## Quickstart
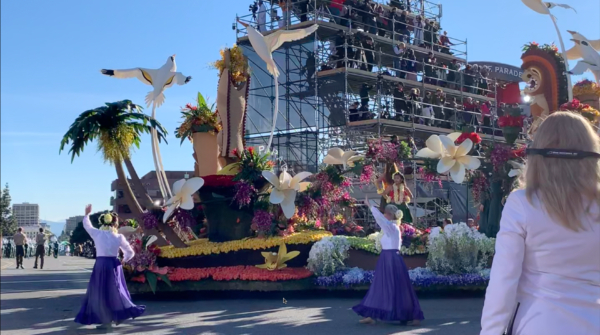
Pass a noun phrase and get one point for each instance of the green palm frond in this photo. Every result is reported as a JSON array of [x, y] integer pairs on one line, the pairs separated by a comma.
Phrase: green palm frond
[[108, 123]]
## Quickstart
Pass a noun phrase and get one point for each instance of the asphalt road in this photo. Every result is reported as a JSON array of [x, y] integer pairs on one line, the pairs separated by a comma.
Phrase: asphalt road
[[46, 302]]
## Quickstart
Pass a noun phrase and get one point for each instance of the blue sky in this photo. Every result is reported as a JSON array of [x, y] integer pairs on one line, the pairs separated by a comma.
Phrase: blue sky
[[52, 52]]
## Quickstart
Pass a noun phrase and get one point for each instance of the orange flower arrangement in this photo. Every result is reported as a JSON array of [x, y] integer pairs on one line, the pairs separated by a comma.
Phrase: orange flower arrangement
[[227, 273]]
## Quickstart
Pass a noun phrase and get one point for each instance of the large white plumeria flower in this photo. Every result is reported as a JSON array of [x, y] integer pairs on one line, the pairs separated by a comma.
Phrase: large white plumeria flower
[[456, 160], [183, 191], [337, 156], [434, 148], [285, 189], [517, 169]]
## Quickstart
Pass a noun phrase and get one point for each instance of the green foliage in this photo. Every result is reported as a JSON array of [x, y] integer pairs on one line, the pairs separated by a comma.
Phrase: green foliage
[[113, 123], [198, 119], [8, 223], [252, 164], [152, 280]]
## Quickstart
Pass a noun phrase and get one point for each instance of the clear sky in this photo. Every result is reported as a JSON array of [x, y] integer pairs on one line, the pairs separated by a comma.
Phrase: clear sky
[[52, 51]]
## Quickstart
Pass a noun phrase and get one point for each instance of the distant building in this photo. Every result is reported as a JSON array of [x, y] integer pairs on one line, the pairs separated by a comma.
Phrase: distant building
[[71, 224], [28, 217], [118, 202]]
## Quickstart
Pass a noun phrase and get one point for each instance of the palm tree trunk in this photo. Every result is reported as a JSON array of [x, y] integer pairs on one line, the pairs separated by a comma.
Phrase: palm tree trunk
[[149, 204], [133, 204]]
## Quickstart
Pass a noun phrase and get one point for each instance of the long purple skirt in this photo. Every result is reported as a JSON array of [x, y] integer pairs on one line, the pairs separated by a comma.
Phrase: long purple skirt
[[391, 296], [107, 299]]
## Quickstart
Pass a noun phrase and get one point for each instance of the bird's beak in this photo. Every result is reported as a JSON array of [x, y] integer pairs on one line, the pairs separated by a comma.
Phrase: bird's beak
[[578, 42], [571, 32], [242, 23], [174, 55]]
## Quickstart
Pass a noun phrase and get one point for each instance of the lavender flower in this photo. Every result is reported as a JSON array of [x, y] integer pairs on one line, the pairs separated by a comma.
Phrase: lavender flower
[[184, 218], [243, 193], [262, 220], [149, 220]]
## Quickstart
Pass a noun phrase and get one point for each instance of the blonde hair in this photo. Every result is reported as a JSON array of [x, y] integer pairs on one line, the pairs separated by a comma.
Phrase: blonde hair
[[565, 187], [395, 212]]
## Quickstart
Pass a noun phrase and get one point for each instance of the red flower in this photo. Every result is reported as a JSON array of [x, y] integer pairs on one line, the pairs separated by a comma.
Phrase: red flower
[[511, 121], [251, 150], [235, 153], [476, 139], [218, 181]]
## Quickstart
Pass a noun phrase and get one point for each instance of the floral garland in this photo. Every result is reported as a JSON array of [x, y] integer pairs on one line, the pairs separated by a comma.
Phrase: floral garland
[[421, 278], [586, 87], [585, 110], [205, 247], [480, 186], [227, 273]]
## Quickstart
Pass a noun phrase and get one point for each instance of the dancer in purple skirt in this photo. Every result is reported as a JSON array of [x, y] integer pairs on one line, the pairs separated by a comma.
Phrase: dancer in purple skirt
[[107, 299], [391, 296]]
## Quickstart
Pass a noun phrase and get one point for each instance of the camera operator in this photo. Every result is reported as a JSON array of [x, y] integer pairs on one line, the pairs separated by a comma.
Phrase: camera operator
[[399, 50], [415, 102], [438, 101]]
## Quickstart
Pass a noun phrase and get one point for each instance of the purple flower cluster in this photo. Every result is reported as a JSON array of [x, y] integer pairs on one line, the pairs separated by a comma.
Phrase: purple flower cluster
[[184, 218], [261, 223], [421, 278], [243, 193], [149, 220], [500, 155]]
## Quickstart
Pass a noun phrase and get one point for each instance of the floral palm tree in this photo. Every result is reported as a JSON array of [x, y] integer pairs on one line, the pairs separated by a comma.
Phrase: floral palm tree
[[117, 127]]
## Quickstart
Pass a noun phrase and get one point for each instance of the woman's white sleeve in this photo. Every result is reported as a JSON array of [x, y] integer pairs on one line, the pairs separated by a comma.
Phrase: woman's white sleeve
[[128, 252], [87, 225], [501, 295], [381, 220]]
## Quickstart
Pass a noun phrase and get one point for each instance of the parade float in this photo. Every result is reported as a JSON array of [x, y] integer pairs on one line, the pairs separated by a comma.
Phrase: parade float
[[246, 221]]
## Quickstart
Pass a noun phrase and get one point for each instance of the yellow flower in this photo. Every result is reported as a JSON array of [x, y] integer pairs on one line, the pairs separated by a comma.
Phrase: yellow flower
[[205, 247]]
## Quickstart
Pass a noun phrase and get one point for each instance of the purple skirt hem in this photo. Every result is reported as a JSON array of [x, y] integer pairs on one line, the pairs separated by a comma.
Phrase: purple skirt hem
[[107, 299], [379, 314], [130, 313], [391, 296]]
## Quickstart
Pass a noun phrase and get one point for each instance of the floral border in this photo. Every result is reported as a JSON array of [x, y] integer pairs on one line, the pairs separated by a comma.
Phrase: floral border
[[227, 273], [205, 247], [419, 277]]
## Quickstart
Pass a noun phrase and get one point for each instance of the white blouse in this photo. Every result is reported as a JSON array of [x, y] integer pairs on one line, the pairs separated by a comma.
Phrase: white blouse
[[552, 271], [108, 243], [392, 238]]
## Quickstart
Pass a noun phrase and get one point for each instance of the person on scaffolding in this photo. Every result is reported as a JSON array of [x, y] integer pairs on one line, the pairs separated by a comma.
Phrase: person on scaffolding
[[398, 194]]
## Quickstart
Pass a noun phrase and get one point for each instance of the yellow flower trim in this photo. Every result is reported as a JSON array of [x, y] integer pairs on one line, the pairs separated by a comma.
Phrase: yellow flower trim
[[205, 247], [238, 64], [586, 89]]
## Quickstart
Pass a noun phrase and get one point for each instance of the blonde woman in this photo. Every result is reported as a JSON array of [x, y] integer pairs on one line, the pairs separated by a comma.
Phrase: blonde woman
[[391, 296], [548, 251]]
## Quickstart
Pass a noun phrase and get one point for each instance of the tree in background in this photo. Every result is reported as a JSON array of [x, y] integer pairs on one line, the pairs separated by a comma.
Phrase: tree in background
[[80, 235], [8, 223]]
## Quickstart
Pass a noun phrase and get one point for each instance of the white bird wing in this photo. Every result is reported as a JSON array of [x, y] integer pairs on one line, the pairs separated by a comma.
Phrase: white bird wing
[[537, 6], [581, 67], [146, 76], [177, 78], [276, 39], [595, 44], [574, 52], [552, 5]]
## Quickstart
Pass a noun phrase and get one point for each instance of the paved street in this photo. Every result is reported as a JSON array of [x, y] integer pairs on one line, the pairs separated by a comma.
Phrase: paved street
[[46, 302]]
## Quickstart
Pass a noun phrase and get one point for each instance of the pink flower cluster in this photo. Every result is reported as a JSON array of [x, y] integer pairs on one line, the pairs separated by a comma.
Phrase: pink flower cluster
[[385, 152], [500, 155]]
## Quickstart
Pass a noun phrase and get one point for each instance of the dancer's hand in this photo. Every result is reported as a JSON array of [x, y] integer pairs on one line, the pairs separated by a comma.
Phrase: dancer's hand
[[88, 209]]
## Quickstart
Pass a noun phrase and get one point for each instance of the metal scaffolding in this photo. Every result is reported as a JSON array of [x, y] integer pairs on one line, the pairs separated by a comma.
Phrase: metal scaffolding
[[325, 76]]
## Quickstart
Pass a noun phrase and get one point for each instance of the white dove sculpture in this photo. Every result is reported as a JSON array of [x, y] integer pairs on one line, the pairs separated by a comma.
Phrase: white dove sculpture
[[160, 79], [588, 50], [544, 8], [264, 47]]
